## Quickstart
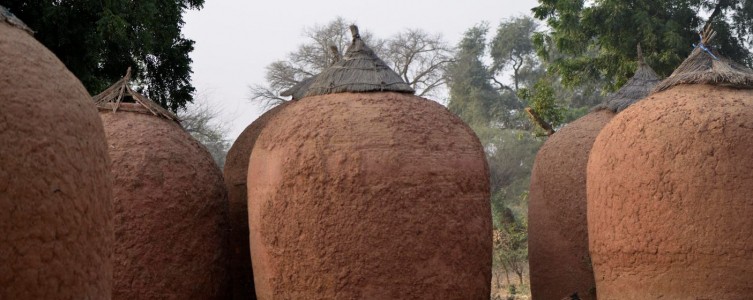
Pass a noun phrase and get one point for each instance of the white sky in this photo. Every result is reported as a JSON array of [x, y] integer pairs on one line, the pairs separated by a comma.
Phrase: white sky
[[237, 39]]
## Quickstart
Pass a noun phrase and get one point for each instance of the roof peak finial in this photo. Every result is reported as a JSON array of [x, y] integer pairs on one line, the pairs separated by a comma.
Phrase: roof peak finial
[[708, 34], [640, 54], [354, 32], [128, 74]]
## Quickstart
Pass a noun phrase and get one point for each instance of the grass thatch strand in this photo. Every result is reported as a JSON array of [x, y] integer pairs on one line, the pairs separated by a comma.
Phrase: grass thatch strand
[[638, 87], [703, 68], [111, 98], [360, 70], [8, 17]]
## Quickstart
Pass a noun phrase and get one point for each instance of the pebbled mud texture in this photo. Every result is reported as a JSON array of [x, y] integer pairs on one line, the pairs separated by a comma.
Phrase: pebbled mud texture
[[170, 211], [369, 196], [669, 205], [56, 233], [236, 168], [557, 228]]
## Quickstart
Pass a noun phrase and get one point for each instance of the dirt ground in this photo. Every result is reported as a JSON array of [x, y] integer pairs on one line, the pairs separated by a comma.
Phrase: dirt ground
[[502, 289]]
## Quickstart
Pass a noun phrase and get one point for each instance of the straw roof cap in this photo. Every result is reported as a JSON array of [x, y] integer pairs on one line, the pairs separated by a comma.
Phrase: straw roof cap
[[112, 97], [8, 17], [360, 70], [300, 89], [706, 66], [637, 87]]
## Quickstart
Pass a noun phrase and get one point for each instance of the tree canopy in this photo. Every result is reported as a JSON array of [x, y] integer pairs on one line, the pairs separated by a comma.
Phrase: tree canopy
[[98, 40], [597, 39]]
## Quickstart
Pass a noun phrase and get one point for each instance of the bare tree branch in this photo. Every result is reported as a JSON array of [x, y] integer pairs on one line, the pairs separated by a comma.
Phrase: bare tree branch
[[419, 57], [265, 96], [202, 121]]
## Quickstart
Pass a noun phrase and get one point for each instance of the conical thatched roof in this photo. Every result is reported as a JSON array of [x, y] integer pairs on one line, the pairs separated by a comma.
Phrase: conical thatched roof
[[360, 70], [8, 17], [300, 89], [706, 66], [637, 87], [111, 98]]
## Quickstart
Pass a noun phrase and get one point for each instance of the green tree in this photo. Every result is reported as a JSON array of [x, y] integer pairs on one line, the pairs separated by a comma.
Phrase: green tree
[[472, 96], [597, 39], [99, 39], [513, 52]]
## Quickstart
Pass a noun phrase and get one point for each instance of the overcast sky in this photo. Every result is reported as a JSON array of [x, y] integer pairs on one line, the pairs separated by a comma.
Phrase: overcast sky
[[237, 39]]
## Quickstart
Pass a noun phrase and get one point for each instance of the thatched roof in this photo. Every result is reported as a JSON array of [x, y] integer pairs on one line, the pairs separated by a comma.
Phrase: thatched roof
[[8, 17], [300, 89], [636, 88], [111, 98], [360, 70], [706, 66]]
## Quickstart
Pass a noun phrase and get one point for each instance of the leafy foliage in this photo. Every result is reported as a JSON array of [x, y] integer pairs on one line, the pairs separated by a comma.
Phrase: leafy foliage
[[513, 49], [98, 40], [597, 39], [472, 97], [541, 98]]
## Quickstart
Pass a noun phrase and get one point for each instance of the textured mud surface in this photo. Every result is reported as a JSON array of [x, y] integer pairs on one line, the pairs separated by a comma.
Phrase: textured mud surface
[[55, 200], [236, 168], [170, 211], [669, 204], [557, 228], [369, 196]]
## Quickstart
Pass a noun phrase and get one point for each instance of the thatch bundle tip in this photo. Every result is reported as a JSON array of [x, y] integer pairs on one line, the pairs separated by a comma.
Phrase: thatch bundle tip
[[706, 66], [8, 17], [360, 70]]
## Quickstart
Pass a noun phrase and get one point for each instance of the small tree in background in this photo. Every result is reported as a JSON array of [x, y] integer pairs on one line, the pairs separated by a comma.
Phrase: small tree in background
[[202, 121]]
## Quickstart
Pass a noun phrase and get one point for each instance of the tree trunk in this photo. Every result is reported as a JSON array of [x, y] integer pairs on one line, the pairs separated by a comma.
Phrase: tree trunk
[[507, 273]]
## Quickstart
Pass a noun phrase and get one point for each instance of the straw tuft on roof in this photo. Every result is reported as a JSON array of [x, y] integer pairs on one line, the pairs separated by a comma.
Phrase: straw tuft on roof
[[706, 66], [8, 17], [111, 98], [360, 70], [637, 87]]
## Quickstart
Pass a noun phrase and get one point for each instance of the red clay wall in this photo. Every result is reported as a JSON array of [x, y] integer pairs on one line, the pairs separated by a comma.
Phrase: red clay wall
[[369, 196], [55, 196], [236, 168], [170, 211], [557, 227], [669, 204]]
